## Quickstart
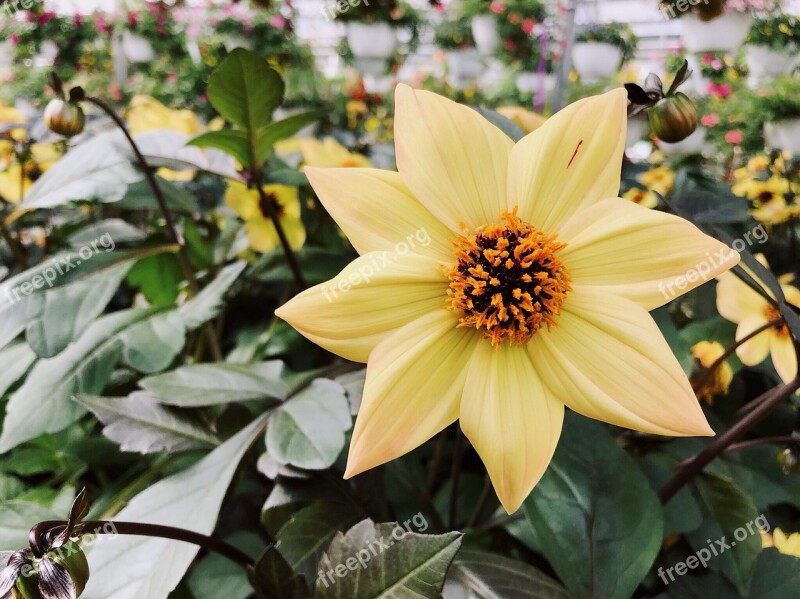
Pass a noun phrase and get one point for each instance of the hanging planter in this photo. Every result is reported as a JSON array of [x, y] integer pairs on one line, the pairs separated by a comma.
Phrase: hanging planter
[[765, 63], [725, 33], [238, 41], [371, 40], [136, 48], [595, 60], [487, 37], [464, 67], [783, 135]]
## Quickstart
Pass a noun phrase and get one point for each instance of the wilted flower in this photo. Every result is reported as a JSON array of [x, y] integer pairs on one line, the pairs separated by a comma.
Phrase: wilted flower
[[707, 353]]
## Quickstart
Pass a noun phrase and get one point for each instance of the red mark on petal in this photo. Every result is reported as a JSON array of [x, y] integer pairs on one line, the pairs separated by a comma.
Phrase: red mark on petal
[[575, 153]]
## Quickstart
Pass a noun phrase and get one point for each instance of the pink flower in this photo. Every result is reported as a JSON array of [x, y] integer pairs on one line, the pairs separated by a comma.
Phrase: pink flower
[[721, 90], [278, 21], [193, 30], [101, 24], [528, 25], [172, 78], [708, 59], [710, 120], [716, 64], [497, 7], [14, 39], [734, 136]]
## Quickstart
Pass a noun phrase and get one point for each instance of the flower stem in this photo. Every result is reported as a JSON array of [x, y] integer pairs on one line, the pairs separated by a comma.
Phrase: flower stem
[[149, 530], [768, 401], [177, 238]]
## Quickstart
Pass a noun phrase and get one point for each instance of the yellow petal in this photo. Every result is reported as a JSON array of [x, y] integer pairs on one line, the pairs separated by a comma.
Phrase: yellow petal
[[607, 360], [756, 350], [783, 356], [646, 256], [570, 162], [243, 201], [453, 160], [377, 212], [262, 235], [737, 301], [287, 198], [511, 419], [375, 295], [415, 379]]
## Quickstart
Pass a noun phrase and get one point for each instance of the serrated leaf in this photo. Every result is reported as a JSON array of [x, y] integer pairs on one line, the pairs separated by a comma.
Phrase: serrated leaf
[[385, 560], [232, 141], [190, 499], [209, 302], [211, 384], [602, 520], [308, 431], [485, 575], [139, 423]]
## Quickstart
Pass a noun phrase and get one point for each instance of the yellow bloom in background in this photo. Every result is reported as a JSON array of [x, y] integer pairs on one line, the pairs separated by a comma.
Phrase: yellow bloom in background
[[330, 153], [659, 179], [642, 197], [788, 545], [499, 282], [14, 184], [775, 212], [148, 114], [260, 231], [16, 181], [741, 304], [706, 353], [527, 120]]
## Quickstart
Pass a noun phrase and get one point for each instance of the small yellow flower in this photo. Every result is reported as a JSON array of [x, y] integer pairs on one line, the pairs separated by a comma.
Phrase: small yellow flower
[[659, 179], [148, 114], [786, 544], [742, 305], [527, 120], [642, 197], [260, 230], [499, 282], [706, 353], [15, 182], [330, 153]]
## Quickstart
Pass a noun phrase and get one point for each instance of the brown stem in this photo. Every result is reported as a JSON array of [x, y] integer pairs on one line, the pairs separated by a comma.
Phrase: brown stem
[[708, 372], [291, 258], [769, 400], [177, 238]]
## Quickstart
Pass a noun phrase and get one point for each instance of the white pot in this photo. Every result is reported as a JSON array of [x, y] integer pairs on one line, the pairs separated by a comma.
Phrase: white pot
[[484, 31], [47, 54], [238, 41], [464, 67], [635, 132], [783, 135], [370, 67], [694, 144], [137, 48], [765, 64], [530, 82], [7, 53], [594, 60], [725, 33], [371, 40]]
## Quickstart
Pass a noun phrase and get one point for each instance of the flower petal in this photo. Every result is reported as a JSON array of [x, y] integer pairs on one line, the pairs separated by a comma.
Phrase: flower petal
[[377, 211], [415, 379], [737, 301], [264, 238], [756, 350], [783, 356], [375, 295], [608, 360], [646, 256], [453, 160], [242, 200], [511, 419], [571, 161]]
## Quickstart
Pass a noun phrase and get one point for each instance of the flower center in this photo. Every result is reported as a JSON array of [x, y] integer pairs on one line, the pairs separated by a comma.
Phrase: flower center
[[272, 199], [508, 280], [772, 313]]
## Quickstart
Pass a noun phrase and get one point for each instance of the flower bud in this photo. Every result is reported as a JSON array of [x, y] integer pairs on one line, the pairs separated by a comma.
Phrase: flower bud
[[64, 118], [673, 118], [56, 571], [789, 461]]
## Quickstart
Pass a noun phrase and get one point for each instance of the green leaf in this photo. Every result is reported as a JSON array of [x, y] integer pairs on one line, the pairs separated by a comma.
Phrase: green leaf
[[16, 519], [681, 513], [486, 575], [776, 576], [151, 345], [308, 431], [209, 302], [170, 149], [274, 577], [217, 576], [16, 359], [211, 384], [726, 509], [245, 90], [232, 141], [139, 196], [304, 537], [139, 423], [602, 520], [385, 560], [98, 169], [269, 135], [158, 278], [505, 124], [190, 499]]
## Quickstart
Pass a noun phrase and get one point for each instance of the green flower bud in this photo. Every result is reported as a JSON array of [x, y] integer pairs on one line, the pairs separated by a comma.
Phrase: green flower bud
[[673, 118], [60, 571], [64, 118]]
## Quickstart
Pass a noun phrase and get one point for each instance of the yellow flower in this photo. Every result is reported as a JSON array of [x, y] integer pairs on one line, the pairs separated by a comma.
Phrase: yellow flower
[[741, 304], [260, 230], [706, 353], [499, 282], [330, 153], [640, 196], [788, 545], [527, 120], [775, 212], [659, 179], [148, 114], [15, 182], [11, 115]]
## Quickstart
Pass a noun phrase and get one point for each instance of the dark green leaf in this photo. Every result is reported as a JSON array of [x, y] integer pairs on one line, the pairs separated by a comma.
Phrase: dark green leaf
[[267, 136], [274, 577], [506, 125], [232, 141]]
